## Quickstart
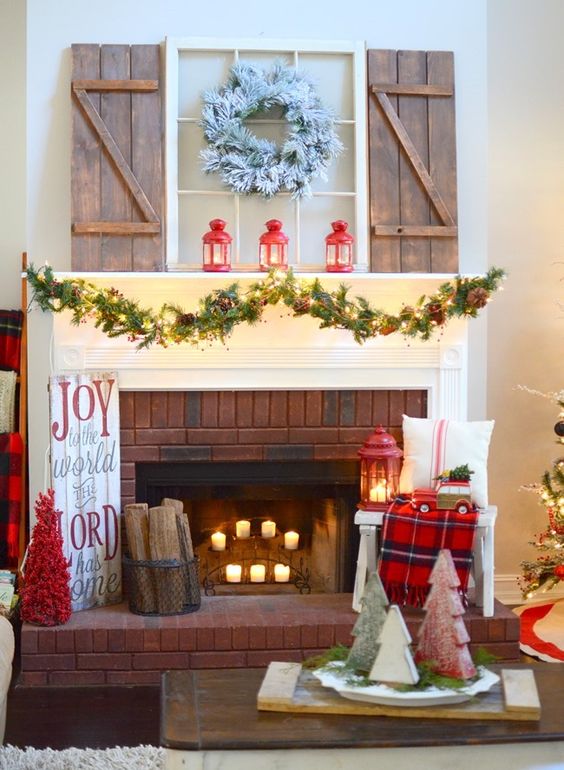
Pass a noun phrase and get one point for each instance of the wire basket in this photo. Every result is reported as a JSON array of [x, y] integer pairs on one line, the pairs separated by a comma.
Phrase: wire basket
[[168, 587]]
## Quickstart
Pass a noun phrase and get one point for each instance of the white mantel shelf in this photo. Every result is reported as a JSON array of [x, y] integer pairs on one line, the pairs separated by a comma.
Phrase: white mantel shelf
[[280, 353]]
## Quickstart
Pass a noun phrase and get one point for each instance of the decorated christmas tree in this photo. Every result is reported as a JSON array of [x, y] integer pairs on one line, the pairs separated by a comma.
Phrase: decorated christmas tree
[[46, 598], [394, 662], [443, 638], [548, 569], [368, 625]]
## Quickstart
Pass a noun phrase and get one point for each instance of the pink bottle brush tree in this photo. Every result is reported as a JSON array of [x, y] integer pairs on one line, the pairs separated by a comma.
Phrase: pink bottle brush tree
[[443, 639]]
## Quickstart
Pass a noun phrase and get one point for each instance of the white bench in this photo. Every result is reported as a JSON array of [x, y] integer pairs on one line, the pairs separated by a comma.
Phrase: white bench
[[483, 553]]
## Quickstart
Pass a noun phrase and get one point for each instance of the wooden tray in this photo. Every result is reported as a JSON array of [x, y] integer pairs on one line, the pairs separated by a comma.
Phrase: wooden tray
[[286, 687]]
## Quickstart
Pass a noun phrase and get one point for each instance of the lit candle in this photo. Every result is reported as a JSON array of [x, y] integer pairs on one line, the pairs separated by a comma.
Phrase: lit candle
[[258, 573], [268, 528], [233, 573], [378, 493], [291, 540], [281, 573], [243, 528], [218, 541]]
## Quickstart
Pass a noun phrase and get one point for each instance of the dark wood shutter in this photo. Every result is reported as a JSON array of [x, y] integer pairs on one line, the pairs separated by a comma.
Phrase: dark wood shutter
[[117, 170], [412, 147]]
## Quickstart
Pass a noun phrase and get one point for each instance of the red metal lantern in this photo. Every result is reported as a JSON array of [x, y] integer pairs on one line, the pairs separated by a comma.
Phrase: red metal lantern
[[273, 247], [380, 465], [217, 248], [339, 248]]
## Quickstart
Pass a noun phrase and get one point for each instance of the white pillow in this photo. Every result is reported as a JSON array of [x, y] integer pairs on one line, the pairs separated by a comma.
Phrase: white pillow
[[432, 446]]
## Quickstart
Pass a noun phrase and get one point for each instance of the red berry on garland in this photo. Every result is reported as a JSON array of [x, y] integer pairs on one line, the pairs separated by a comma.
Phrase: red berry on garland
[[559, 571], [387, 329], [477, 298], [46, 598], [559, 428], [436, 313]]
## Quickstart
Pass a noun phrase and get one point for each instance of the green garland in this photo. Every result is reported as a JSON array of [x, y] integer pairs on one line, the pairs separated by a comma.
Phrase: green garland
[[222, 310]]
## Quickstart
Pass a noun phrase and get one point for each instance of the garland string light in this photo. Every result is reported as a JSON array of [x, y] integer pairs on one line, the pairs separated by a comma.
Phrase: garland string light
[[220, 311]]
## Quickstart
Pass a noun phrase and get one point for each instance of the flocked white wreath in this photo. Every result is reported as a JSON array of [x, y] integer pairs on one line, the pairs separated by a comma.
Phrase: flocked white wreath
[[249, 164]]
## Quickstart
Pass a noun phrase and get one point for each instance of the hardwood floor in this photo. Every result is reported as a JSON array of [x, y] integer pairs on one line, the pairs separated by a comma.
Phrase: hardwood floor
[[83, 717]]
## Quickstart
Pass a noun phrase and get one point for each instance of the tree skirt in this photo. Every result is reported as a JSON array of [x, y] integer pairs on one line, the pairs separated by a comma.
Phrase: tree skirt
[[542, 630], [138, 758]]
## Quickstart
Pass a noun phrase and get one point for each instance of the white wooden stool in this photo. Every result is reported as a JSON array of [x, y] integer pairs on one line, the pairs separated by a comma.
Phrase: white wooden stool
[[483, 553]]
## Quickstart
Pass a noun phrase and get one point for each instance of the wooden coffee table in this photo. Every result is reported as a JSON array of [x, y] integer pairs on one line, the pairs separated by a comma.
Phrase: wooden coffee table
[[209, 719]]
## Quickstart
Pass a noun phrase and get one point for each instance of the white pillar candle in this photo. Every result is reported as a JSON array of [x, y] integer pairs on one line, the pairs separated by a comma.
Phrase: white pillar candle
[[291, 540], [243, 528], [218, 541], [233, 573], [378, 493], [281, 573], [258, 573], [268, 528]]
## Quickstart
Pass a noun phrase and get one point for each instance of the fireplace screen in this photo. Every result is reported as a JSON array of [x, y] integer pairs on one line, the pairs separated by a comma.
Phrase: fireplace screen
[[264, 527]]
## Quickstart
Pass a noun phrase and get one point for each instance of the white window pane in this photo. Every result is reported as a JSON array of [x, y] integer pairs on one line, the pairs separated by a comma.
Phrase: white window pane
[[190, 174], [197, 72], [265, 59], [194, 215], [254, 212], [316, 215], [332, 75], [340, 172]]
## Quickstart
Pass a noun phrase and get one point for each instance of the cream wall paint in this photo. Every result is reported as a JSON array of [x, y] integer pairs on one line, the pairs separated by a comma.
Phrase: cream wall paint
[[526, 196], [12, 150]]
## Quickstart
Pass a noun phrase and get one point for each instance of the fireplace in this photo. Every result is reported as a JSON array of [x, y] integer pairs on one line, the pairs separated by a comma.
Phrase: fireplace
[[314, 499]]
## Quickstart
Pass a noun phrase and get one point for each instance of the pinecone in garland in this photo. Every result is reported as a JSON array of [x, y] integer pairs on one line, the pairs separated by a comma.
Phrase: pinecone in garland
[[387, 329], [186, 319], [477, 298], [301, 305], [436, 313], [225, 304]]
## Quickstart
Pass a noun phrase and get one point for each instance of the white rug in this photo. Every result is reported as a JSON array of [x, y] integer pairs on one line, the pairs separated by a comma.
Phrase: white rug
[[138, 758]]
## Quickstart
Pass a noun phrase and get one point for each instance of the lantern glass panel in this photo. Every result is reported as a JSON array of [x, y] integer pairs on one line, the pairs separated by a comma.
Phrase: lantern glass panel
[[331, 254], [344, 254]]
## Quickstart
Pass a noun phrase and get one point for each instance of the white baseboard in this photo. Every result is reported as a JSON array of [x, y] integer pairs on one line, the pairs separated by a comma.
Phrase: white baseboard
[[506, 590]]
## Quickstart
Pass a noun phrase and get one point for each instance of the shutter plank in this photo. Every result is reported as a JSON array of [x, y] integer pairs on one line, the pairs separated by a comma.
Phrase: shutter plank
[[115, 197], [146, 133], [384, 167], [85, 165], [442, 155], [415, 206]]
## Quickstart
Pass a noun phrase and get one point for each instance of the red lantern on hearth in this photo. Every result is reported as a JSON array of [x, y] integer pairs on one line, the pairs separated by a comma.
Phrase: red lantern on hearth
[[273, 247], [339, 248], [217, 248], [380, 466]]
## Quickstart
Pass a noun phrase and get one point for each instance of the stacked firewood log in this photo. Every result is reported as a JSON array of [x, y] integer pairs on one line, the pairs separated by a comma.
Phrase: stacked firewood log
[[161, 535]]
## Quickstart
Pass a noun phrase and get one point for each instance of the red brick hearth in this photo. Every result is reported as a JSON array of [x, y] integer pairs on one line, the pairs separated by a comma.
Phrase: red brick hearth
[[110, 645]]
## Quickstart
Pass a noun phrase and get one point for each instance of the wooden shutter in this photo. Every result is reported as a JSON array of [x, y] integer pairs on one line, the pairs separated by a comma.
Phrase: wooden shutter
[[116, 175], [412, 150]]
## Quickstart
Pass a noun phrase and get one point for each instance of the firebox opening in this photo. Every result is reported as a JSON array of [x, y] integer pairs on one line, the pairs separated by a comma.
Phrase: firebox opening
[[317, 500]]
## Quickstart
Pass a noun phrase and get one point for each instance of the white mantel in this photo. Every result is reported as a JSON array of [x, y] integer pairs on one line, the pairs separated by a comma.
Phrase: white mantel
[[281, 353]]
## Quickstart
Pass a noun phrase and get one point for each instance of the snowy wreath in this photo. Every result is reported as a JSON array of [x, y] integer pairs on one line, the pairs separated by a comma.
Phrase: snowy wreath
[[249, 164]]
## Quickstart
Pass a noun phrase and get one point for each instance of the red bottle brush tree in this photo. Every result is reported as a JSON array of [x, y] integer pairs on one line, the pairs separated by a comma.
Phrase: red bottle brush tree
[[46, 598], [443, 638]]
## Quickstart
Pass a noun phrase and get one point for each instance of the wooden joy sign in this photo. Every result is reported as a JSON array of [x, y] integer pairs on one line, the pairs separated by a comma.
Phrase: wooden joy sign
[[85, 471]]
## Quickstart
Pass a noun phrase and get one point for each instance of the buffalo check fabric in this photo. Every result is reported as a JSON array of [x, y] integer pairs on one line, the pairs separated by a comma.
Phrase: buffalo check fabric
[[11, 322], [411, 541], [11, 458]]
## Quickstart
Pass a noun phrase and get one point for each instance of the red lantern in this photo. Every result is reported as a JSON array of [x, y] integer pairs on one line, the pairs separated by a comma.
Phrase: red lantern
[[217, 248], [339, 248], [273, 247], [380, 465]]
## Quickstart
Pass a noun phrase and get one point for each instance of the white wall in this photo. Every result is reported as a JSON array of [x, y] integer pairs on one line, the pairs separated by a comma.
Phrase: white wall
[[526, 193], [12, 150]]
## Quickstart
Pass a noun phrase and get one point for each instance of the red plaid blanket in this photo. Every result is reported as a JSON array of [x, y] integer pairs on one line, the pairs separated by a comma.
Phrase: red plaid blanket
[[10, 339], [410, 543], [11, 454]]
